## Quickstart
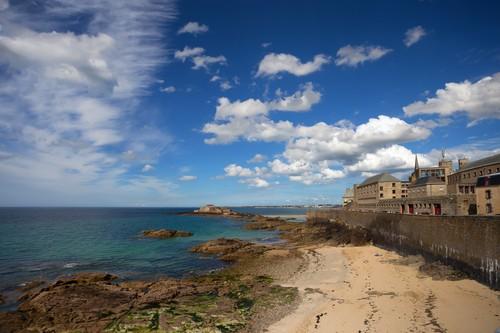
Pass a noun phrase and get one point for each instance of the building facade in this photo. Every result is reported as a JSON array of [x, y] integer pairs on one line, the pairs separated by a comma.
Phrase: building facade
[[473, 189], [488, 194], [464, 180], [376, 188]]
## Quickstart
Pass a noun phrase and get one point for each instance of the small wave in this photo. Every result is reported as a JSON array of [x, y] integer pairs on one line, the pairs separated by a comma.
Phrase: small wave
[[70, 265]]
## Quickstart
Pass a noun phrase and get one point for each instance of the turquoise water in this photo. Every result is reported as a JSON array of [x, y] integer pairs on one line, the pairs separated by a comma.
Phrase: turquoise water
[[44, 243]]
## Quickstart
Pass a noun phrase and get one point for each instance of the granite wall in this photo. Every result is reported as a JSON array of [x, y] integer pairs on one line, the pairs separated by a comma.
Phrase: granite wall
[[469, 243]]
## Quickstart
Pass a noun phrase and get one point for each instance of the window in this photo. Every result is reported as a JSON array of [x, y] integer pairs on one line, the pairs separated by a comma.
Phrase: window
[[393, 191], [381, 188], [381, 195], [489, 171], [461, 189], [466, 189], [481, 172], [488, 194], [489, 208], [393, 184], [472, 189]]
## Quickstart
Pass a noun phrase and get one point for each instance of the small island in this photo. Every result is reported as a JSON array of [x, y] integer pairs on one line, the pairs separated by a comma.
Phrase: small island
[[165, 233]]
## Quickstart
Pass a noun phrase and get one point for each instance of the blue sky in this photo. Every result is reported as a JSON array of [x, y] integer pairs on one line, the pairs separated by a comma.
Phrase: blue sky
[[163, 103]]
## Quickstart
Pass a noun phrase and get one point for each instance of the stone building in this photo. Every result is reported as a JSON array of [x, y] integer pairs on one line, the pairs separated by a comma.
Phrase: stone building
[[427, 187], [488, 194], [444, 168], [376, 188], [464, 180]]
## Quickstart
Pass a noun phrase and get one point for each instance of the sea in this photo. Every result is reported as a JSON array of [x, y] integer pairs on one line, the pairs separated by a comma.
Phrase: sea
[[46, 243]]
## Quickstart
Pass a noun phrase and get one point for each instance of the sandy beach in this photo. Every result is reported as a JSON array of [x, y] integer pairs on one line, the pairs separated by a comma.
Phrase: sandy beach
[[368, 289]]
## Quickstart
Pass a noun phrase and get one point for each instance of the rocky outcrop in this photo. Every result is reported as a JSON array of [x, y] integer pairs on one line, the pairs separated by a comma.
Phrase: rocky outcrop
[[166, 233], [230, 249], [215, 210], [95, 302]]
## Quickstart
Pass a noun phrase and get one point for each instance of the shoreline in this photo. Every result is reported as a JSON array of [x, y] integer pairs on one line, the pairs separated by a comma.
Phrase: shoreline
[[289, 287]]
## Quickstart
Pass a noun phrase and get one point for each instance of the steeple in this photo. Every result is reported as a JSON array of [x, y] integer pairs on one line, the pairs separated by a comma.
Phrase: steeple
[[416, 162]]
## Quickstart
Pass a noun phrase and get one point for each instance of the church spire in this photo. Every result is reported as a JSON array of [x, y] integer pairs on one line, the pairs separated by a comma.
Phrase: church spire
[[416, 162]]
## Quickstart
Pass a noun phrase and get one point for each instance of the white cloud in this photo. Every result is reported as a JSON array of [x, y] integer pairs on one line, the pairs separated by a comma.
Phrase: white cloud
[[147, 168], [258, 158], [479, 100], [225, 85], [255, 182], [169, 90], [388, 159], [199, 59], [266, 45], [68, 96], [234, 170], [188, 52], [215, 78], [193, 28], [352, 56], [274, 63], [301, 100], [203, 61], [187, 178], [413, 35]]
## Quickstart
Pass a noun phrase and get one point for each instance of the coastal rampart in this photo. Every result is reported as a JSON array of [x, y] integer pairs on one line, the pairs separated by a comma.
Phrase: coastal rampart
[[469, 243]]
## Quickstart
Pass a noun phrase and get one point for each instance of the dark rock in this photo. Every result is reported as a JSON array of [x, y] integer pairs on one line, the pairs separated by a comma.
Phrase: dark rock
[[166, 233]]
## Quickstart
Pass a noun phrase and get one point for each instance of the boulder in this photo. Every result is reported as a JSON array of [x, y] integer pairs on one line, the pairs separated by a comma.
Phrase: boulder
[[166, 233]]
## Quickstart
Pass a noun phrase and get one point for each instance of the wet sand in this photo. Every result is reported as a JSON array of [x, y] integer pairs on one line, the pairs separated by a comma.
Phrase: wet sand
[[368, 289]]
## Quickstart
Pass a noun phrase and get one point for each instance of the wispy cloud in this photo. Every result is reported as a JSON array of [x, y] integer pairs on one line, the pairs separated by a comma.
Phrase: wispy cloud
[[194, 28], [413, 35], [352, 56], [67, 96], [274, 63]]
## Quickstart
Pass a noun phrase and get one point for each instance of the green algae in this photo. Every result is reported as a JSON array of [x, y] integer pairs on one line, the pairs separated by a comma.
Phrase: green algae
[[228, 308]]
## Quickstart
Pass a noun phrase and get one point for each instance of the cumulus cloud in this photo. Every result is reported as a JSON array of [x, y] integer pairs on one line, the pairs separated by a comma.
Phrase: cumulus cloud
[[194, 28], [312, 152], [188, 52], [274, 63], [301, 100], [413, 35], [256, 182], [479, 100], [198, 58], [187, 178], [258, 158], [234, 170], [352, 56]]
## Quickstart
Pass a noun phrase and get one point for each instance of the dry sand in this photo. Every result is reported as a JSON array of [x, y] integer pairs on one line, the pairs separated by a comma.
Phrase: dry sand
[[368, 289]]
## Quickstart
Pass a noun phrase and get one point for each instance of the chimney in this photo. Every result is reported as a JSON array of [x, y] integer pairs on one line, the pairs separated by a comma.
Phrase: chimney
[[462, 163]]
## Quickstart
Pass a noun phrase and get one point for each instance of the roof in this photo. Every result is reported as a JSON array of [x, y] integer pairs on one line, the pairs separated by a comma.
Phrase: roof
[[430, 180], [383, 177], [482, 162]]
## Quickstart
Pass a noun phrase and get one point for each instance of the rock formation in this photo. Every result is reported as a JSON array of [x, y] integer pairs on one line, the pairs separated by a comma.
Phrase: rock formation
[[166, 233]]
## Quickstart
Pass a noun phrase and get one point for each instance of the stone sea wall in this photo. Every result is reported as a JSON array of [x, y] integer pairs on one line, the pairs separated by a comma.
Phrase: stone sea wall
[[469, 243]]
